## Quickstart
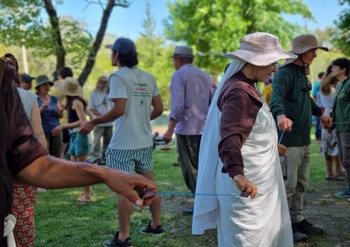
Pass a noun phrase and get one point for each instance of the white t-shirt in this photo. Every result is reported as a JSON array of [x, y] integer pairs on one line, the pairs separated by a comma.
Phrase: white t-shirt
[[99, 101], [133, 129]]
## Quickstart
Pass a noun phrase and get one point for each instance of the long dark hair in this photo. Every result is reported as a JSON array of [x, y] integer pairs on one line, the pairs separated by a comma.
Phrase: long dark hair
[[70, 100], [13, 61]]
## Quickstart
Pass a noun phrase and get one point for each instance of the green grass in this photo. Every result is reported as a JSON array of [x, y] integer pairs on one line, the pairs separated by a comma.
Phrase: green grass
[[59, 222]]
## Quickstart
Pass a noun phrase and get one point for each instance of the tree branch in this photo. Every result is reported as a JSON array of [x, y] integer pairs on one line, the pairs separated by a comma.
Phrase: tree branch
[[56, 33]]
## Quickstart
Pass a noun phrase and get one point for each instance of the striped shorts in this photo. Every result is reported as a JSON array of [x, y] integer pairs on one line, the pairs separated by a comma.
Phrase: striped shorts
[[134, 160]]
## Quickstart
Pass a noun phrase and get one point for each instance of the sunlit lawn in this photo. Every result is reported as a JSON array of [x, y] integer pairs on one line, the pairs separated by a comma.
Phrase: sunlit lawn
[[60, 222]]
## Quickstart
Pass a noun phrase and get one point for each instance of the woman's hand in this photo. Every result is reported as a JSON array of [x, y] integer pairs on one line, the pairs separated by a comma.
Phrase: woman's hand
[[282, 150], [58, 130], [245, 186]]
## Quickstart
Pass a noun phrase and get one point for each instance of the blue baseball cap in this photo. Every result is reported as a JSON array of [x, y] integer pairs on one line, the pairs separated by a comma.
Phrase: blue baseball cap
[[27, 78], [123, 46]]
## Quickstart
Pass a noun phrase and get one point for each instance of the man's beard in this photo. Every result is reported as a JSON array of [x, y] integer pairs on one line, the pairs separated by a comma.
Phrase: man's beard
[[102, 89]]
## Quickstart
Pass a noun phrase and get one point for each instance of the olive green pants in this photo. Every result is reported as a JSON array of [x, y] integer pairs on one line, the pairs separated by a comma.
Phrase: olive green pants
[[298, 169], [188, 149]]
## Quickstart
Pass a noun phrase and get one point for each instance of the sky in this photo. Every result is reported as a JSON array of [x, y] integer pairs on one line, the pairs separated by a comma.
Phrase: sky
[[127, 22]]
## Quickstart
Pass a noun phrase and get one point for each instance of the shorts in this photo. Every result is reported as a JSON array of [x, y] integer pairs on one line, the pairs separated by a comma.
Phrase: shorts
[[79, 144], [134, 160]]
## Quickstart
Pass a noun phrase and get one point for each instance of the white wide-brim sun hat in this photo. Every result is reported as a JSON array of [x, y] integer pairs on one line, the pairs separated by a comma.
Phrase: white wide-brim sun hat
[[70, 86], [260, 49]]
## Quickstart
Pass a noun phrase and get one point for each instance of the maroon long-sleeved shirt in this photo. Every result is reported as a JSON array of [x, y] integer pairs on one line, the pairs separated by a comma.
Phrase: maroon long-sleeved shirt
[[239, 103]]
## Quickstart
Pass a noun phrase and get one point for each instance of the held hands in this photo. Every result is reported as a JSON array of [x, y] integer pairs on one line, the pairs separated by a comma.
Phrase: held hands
[[284, 123], [245, 186], [86, 127], [326, 121]]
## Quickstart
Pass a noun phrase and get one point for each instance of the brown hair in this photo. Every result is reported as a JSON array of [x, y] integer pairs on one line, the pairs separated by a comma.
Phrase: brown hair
[[13, 61]]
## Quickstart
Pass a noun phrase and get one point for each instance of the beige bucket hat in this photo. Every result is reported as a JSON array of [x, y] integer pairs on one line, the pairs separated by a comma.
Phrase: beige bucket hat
[[69, 86], [302, 44], [260, 49]]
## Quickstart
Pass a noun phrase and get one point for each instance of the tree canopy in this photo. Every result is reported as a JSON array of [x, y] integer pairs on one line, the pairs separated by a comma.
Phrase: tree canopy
[[214, 27], [22, 24], [341, 36]]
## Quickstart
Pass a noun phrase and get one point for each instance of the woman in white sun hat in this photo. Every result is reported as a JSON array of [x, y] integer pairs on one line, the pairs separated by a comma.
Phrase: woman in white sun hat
[[241, 127], [79, 143]]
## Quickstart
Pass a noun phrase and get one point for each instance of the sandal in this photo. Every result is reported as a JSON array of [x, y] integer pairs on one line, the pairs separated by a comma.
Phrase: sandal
[[82, 202]]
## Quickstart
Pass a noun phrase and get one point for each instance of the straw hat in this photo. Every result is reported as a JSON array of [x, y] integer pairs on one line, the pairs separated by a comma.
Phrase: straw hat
[[260, 49], [70, 87], [302, 44]]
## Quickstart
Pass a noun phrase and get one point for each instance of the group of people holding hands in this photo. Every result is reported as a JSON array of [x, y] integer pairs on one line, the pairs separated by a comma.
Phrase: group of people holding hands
[[234, 151]]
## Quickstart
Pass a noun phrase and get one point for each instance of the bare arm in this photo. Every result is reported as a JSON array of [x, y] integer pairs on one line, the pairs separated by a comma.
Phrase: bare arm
[[60, 110], [94, 112], [168, 135], [53, 173], [157, 105], [326, 84], [117, 111], [36, 124]]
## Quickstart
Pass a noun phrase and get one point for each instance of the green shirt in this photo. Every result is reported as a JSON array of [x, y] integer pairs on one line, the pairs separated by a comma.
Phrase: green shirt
[[291, 96], [342, 109]]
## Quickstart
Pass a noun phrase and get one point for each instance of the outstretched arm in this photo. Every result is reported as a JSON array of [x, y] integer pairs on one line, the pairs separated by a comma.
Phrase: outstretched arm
[[53, 173]]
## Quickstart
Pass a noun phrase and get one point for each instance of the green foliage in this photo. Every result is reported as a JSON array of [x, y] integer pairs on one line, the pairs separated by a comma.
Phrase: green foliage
[[216, 27], [154, 56], [341, 36], [22, 24]]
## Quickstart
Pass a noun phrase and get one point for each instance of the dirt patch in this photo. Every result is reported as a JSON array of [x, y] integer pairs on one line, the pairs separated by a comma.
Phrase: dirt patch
[[321, 208]]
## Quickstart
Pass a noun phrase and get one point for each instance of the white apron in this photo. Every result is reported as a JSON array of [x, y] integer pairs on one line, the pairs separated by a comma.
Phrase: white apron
[[263, 221]]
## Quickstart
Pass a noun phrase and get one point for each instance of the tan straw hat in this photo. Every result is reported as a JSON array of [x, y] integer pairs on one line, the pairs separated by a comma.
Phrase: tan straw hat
[[260, 49], [70, 86], [302, 44]]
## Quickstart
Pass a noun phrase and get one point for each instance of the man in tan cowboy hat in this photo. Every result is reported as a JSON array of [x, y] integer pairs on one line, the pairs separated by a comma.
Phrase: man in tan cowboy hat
[[293, 107], [190, 90]]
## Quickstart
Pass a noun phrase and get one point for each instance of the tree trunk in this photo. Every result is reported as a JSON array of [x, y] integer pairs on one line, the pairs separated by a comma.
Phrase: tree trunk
[[56, 34], [99, 37]]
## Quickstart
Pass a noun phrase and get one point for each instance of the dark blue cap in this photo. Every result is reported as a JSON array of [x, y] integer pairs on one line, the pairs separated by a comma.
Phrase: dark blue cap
[[27, 78], [124, 46]]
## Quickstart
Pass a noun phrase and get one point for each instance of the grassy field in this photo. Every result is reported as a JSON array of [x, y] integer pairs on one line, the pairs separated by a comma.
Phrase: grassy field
[[60, 222]]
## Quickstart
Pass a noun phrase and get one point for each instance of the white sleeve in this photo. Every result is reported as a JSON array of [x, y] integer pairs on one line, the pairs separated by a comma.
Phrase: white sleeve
[[117, 88]]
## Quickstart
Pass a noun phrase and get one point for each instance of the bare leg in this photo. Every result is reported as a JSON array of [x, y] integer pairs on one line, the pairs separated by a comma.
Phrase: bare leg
[[329, 166], [155, 205], [124, 214], [339, 169], [87, 189]]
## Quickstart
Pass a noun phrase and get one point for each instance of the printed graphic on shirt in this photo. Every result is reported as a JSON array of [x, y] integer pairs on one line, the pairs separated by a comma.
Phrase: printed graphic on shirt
[[140, 90]]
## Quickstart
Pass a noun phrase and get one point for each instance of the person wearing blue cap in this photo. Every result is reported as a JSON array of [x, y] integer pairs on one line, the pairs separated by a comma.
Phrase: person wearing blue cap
[[134, 92], [26, 81]]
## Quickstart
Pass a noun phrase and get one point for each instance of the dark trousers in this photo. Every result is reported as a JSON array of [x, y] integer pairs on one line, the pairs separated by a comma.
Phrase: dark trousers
[[188, 149]]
